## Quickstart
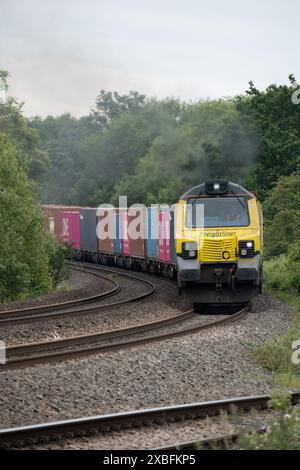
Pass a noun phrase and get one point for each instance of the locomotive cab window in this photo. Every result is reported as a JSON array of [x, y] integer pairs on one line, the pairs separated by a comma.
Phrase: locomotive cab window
[[218, 212]]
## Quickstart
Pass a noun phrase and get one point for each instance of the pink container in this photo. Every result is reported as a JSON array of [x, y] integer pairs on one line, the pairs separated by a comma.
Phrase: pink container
[[53, 218], [70, 226], [164, 247], [126, 244]]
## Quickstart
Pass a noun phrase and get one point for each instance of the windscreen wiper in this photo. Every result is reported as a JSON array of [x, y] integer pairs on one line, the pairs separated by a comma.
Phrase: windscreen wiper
[[239, 198]]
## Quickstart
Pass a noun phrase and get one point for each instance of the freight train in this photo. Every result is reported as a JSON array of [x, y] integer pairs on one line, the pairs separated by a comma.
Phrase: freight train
[[211, 241]]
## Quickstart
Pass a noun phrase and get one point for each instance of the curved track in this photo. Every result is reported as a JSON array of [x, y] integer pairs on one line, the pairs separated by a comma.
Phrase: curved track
[[71, 428], [23, 355], [73, 347], [63, 308], [21, 312]]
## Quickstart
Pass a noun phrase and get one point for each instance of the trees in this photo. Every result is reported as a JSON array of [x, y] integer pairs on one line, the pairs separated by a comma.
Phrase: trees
[[110, 105], [278, 122], [23, 259], [148, 150], [111, 156], [153, 150], [212, 139], [30, 262], [282, 215], [60, 139], [26, 140]]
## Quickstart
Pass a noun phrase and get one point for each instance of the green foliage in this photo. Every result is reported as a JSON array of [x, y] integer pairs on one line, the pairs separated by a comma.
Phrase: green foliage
[[23, 258], [60, 138], [276, 354], [146, 149], [56, 259], [110, 105], [28, 152], [283, 431], [112, 156], [282, 215], [278, 122], [30, 263], [282, 277], [211, 140], [4, 76], [282, 273]]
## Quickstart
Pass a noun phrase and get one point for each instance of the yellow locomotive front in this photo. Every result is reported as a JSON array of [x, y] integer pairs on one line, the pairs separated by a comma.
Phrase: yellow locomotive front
[[219, 243]]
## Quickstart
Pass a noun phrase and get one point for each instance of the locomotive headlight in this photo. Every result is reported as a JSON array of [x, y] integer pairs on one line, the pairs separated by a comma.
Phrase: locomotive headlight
[[190, 246], [190, 249], [246, 248]]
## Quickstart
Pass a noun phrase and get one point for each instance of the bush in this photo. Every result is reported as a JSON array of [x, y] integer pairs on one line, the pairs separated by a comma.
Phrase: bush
[[282, 273], [282, 276], [276, 355], [283, 432], [56, 254], [282, 216]]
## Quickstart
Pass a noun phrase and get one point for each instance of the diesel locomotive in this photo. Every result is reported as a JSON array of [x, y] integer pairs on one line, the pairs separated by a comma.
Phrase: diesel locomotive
[[211, 241], [219, 253]]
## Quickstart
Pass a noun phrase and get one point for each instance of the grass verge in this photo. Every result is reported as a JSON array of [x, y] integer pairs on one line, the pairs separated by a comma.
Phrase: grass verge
[[281, 356], [282, 278]]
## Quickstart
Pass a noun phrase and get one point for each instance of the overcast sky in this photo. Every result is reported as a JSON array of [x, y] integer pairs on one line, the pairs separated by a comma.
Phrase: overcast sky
[[61, 53]]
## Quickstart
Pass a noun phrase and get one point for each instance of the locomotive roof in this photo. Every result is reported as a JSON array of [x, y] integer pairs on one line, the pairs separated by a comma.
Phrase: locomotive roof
[[233, 189]]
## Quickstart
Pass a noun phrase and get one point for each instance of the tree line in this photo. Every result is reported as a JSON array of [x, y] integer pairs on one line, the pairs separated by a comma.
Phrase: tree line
[[31, 263], [150, 150], [153, 150]]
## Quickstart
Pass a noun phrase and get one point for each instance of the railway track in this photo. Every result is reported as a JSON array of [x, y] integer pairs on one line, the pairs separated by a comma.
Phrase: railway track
[[23, 355], [79, 306], [45, 432], [77, 346], [69, 303]]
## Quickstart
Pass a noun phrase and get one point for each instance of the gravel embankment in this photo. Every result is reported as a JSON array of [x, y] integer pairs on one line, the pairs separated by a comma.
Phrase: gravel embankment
[[209, 365]]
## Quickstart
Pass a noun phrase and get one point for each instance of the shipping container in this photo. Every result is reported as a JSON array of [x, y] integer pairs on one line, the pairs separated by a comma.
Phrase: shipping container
[[106, 230], [125, 237], [137, 223], [88, 236], [118, 239], [134, 232], [164, 236], [53, 220], [70, 222], [152, 230]]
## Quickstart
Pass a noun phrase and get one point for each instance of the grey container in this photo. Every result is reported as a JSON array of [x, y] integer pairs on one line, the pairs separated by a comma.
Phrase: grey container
[[88, 236]]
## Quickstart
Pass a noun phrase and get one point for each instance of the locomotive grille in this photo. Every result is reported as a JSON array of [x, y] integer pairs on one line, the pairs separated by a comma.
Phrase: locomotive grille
[[212, 250]]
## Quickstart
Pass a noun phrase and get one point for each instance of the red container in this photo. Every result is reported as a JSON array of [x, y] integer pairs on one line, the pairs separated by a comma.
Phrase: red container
[[106, 221], [164, 247], [70, 224], [134, 232], [53, 219]]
